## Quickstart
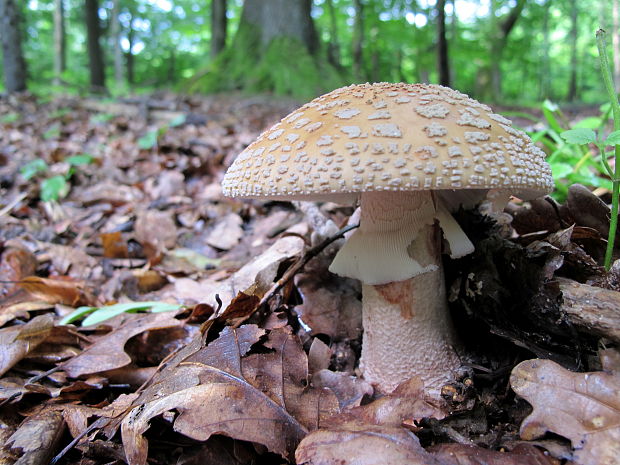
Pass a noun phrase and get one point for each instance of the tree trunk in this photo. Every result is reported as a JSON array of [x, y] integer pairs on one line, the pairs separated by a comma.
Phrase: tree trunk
[[333, 47], [615, 41], [219, 23], [498, 44], [443, 65], [280, 18], [12, 56], [129, 58], [358, 41], [60, 41], [274, 50], [572, 85], [95, 55], [116, 37]]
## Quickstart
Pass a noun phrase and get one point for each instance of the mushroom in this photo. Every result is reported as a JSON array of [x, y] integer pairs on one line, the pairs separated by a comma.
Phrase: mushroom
[[410, 153]]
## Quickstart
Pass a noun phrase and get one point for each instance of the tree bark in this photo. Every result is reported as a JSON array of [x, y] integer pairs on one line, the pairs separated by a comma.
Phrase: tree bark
[[95, 55], [281, 18], [219, 23], [443, 65], [572, 85], [358, 41], [129, 58], [116, 37], [60, 41], [12, 55]]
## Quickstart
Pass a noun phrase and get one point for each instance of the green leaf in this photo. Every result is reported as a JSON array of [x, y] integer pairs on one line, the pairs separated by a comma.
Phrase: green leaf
[[110, 311], [561, 170], [579, 136], [52, 133], [101, 118], [54, 188], [32, 168], [177, 121], [76, 315], [148, 141], [591, 122], [9, 118], [81, 159], [613, 138]]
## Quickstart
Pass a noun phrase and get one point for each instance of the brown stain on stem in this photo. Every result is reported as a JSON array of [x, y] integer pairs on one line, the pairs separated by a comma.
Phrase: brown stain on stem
[[399, 293]]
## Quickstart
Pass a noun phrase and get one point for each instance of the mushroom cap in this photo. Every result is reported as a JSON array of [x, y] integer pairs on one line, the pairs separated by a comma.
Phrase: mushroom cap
[[389, 137]]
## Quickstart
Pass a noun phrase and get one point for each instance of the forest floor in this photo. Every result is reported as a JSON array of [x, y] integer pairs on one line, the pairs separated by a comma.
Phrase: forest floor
[[207, 342]]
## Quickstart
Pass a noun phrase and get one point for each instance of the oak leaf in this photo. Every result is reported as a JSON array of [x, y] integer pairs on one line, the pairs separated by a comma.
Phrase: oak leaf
[[583, 407]]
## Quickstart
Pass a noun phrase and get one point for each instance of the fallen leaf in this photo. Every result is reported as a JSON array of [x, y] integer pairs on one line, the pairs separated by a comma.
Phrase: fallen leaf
[[17, 341], [370, 445], [221, 389], [156, 231], [36, 439], [108, 352], [15, 264], [114, 246], [226, 233], [463, 454], [350, 390], [583, 407], [56, 291]]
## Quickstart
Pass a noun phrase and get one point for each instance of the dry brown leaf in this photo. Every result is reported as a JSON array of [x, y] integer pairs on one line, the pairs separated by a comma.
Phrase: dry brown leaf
[[463, 454], [406, 402], [583, 407], [156, 231], [36, 439], [350, 390], [108, 352], [330, 304], [226, 233], [372, 433], [71, 261], [220, 389], [15, 264], [370, 445], [56, 291], [114, 246], [17, 341]]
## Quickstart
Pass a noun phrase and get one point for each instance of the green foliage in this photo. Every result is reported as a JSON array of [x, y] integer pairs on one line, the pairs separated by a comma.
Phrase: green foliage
[[98, 315], [53, 188], [570, 158], [170, 43], [33, 168]]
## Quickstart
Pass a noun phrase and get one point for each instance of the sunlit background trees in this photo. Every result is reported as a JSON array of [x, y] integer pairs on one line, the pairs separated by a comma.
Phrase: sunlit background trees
[[518, 51]]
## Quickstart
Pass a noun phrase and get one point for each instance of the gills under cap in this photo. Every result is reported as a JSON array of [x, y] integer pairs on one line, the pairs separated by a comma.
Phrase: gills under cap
[[389, 137]]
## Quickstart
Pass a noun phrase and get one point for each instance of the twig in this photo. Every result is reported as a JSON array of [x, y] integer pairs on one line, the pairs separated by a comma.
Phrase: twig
[[301, 262], [8, 207]]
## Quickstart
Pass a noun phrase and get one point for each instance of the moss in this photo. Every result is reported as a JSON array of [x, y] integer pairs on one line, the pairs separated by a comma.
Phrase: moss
[[285, 67]]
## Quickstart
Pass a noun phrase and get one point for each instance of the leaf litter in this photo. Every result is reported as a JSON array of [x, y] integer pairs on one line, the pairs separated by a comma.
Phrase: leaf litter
[[258, 363]]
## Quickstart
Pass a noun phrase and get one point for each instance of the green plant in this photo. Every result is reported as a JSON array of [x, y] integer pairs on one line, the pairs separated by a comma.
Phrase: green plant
[[54, 187], [571, 163], [584, 137], [97, 315]]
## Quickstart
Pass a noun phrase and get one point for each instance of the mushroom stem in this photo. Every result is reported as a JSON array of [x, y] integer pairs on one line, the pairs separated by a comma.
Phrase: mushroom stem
[[407, 328], [396, 253]]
